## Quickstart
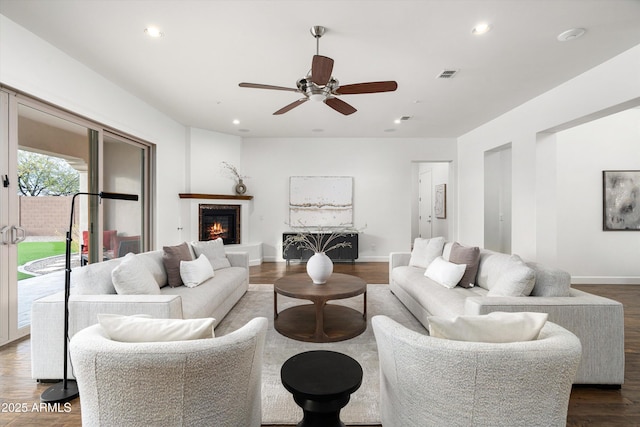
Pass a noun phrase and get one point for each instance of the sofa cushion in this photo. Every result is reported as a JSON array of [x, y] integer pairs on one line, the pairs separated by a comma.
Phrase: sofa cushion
[[425, 251], [203, 300], [445, 273], [153, 261], [195, 272], [516, 279], [434, 298], [550, 282], [214, 251], [94, 279], [171, 260], [496, 327], [470, 256], [145, 329], [131, 277]]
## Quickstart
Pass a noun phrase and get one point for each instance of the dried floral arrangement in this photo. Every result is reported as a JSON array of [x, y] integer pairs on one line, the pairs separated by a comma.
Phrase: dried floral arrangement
[[318, 239], [233, 171]]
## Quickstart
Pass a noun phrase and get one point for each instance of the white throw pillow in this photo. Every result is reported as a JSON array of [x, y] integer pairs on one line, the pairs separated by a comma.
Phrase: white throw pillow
[[515, 280], [195, 272], [425, 251], [496, 327], [445, 273], [131, 277], [214, 251], [144, 329]]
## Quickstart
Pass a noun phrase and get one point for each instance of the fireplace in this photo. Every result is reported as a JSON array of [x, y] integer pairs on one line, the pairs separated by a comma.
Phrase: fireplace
[[219, 221]]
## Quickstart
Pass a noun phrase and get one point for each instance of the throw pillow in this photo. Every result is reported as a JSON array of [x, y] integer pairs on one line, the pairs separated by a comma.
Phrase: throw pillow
[[214, 251], [496, 327], [171, 260], [444, 272], [144, 329], [131, 277], [425, 251], [515, 280], [195, 272], [470, 256]]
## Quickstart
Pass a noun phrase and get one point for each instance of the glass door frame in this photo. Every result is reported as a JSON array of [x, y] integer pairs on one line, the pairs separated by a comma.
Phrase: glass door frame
[[9, 209]]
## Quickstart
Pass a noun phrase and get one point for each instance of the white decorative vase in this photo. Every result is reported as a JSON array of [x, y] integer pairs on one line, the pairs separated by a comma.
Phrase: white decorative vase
[[319, 268]]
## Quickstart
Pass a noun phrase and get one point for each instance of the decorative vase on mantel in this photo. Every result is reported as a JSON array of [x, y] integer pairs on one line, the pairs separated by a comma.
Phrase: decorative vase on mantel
[[319, 268], [240, 187]]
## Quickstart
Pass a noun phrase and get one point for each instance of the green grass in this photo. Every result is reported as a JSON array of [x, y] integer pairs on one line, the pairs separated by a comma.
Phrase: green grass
[[29, 251]]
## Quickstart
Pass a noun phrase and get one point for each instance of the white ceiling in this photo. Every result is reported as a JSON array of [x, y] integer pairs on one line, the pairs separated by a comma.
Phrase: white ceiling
[[192, 73]]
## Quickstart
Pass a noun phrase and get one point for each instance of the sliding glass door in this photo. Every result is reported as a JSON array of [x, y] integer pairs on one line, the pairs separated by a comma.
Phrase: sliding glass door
[[47, 157]]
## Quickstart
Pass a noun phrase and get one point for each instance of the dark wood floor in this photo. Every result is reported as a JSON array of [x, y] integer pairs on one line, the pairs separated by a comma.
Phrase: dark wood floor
[[589, 406]]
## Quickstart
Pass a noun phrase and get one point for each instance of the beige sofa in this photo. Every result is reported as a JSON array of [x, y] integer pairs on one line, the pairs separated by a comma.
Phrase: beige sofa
[[213, 298], [598, 322]]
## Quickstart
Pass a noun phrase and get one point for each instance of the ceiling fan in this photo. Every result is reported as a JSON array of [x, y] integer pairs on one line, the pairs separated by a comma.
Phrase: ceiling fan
[[319, 85]]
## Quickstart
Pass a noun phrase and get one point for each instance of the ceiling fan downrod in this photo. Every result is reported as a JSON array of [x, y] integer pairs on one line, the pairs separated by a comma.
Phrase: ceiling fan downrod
[[317, 31]]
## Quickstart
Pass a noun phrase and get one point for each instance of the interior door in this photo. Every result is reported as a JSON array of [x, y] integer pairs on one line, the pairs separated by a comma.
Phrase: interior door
[[425, 205]]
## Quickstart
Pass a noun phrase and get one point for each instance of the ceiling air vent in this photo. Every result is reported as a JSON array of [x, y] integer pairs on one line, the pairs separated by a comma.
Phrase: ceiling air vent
[[405, 118], [447, 74]]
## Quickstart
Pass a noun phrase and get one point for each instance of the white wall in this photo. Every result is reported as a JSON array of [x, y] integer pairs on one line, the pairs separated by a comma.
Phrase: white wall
[[33, 66], [583, 152], [611, 86], [382, 171]]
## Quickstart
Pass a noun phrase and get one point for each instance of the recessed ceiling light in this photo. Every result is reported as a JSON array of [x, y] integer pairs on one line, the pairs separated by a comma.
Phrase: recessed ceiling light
[[244, 130], [317, 130], [481, 28], [389, 130], [397, 121], [571, 34], [236, 122], [153, 32]]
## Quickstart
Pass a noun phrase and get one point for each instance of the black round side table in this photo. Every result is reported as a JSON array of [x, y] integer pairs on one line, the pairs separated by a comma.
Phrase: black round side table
[[321, 383]]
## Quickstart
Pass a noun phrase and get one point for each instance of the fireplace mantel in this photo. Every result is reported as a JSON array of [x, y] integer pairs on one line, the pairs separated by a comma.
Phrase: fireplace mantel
[[214, 196]]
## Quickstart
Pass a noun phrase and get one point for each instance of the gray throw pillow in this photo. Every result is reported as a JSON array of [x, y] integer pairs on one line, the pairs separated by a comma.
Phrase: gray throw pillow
[[171, 260], [469, 256]]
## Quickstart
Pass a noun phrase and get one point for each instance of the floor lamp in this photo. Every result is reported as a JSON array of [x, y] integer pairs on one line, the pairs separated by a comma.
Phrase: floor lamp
[[67, 390]]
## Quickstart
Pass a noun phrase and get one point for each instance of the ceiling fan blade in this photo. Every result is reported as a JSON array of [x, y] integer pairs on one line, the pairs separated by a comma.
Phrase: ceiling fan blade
[[321, 68], [340, 106], [370, 87], [290, 106], [261, 86]]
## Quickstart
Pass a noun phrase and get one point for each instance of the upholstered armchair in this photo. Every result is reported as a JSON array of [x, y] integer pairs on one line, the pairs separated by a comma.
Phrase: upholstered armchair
[[206, 382], [427, 381]]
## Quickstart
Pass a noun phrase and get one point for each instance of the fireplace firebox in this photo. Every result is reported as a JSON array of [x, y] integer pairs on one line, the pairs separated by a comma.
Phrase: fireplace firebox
[[219, 221]]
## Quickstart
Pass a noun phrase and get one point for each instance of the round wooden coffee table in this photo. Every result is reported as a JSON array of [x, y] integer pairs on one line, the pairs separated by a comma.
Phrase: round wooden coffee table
[[320, 322]]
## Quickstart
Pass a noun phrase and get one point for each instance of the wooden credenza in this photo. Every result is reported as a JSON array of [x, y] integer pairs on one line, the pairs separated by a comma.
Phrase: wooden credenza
[[339, 254]]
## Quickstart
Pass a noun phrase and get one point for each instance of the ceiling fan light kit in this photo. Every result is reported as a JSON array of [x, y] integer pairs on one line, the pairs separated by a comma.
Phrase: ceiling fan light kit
[[320, 86]]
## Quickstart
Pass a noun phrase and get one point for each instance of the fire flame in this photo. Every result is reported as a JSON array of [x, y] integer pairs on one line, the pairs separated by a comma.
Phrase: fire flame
[[216, 230]]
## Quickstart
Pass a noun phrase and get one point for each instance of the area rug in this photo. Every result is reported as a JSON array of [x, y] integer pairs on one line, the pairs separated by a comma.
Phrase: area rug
[[278, 406]]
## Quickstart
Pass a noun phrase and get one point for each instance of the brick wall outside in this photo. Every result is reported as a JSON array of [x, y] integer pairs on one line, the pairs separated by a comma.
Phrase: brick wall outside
[[46, 215]]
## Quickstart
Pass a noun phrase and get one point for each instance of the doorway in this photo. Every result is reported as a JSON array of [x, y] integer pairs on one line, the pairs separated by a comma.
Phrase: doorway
[[497, 199], [426, 177]]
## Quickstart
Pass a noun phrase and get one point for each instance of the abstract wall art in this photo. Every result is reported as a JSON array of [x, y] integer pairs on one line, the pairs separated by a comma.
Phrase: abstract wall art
[[621, 200], [440, 201], [321, 201]]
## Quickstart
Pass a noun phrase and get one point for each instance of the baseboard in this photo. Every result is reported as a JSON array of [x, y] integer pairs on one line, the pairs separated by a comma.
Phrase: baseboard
[[605, 280]]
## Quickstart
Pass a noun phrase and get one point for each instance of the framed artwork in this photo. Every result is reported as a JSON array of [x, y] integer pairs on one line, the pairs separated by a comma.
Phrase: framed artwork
[[321, 201], [621, 200], [440, 201]]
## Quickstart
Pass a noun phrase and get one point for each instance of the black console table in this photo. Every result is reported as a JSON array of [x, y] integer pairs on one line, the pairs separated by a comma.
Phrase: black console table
[[339, 254]]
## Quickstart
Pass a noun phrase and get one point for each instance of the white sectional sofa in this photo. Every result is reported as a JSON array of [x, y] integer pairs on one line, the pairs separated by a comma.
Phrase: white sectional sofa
[[598, 322], [93, 292]]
